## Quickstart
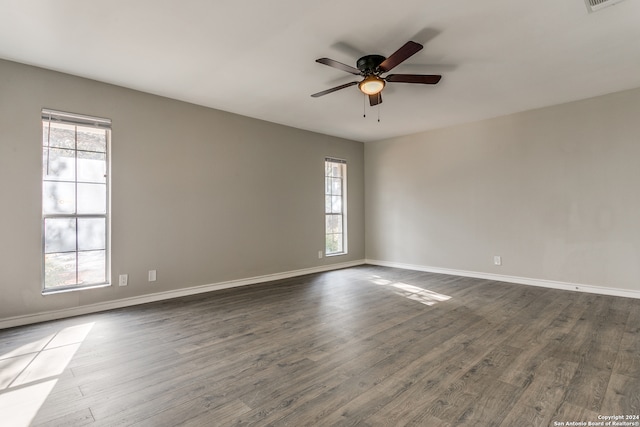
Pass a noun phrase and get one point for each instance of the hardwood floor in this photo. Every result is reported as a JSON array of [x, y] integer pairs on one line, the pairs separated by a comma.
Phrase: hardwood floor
[[367, 346]]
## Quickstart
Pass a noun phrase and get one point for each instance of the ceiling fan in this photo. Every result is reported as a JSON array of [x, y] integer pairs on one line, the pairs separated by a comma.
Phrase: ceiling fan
[[371, 67]]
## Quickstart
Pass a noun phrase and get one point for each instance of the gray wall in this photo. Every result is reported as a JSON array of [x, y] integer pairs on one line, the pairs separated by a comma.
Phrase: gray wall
[[553, 191], [200, 195]]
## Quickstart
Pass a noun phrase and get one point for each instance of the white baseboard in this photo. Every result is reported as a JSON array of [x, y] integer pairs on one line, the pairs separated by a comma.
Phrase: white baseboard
[[143, 299], [576, 287]]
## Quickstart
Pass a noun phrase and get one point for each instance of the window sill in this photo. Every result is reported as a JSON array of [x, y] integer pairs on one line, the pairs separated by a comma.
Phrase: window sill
[[335, 254], [74, 289]]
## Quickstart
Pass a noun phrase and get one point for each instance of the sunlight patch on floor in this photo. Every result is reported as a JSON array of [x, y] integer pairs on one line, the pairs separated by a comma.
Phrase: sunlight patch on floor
[[29, 373], [415, 293]]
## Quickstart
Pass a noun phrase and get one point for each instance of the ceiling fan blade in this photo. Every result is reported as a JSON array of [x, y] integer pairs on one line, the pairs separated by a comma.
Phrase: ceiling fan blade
[[414, 78], [339, 65], [333, 89], [375, 99], [410, 48]]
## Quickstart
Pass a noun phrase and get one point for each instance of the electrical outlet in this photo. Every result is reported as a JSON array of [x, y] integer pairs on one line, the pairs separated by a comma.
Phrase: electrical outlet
[[497, 260], [320, 254], [123, 280], [152, 275]]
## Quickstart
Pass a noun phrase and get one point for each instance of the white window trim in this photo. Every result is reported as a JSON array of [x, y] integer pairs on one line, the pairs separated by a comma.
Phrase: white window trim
[[345, 246], [102, 123]]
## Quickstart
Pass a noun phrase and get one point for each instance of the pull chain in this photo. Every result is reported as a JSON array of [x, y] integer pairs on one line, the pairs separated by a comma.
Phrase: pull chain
[[364, 105], [364, 108]]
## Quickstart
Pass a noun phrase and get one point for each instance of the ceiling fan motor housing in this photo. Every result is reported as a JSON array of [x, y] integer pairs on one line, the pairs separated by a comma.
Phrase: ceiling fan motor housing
[[369, 64]]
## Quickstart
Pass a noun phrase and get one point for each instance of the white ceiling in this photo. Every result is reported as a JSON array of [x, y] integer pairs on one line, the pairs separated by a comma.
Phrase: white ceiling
[[257, 58]]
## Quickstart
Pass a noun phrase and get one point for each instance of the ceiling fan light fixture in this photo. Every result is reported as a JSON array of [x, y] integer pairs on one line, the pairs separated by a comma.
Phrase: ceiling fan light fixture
[[371, 85]]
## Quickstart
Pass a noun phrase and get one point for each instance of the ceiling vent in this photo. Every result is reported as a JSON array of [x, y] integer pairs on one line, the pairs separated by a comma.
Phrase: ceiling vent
[[596, 5]]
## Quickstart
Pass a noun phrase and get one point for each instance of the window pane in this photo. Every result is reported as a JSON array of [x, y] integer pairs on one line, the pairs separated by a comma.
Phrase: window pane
[[91, 267], [336, 204], [58, 164], [327, 185], [91, 233], [59, 235], [327, 204], [92, 167], [59, 135], [334, 243], [92, 139], [334, 223], [58, 197], [92, 198], [336, 186], [59, 270]]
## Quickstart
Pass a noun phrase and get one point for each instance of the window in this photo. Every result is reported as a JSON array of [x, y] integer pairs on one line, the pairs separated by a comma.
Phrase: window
[[335, 209], [75, 200]]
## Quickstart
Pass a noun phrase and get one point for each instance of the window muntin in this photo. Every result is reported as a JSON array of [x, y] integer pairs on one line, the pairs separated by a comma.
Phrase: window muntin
[[335, 206], [75, 200]]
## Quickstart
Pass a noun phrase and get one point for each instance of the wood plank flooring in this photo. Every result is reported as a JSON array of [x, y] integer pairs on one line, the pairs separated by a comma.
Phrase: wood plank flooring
[[367, 346]]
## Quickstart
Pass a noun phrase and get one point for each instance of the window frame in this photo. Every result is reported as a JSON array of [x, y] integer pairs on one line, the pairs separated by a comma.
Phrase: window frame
[[343, 213], [77, 120]]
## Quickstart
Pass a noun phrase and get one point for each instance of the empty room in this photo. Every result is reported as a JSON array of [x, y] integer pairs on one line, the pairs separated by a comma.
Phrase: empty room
[[318, 214]]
